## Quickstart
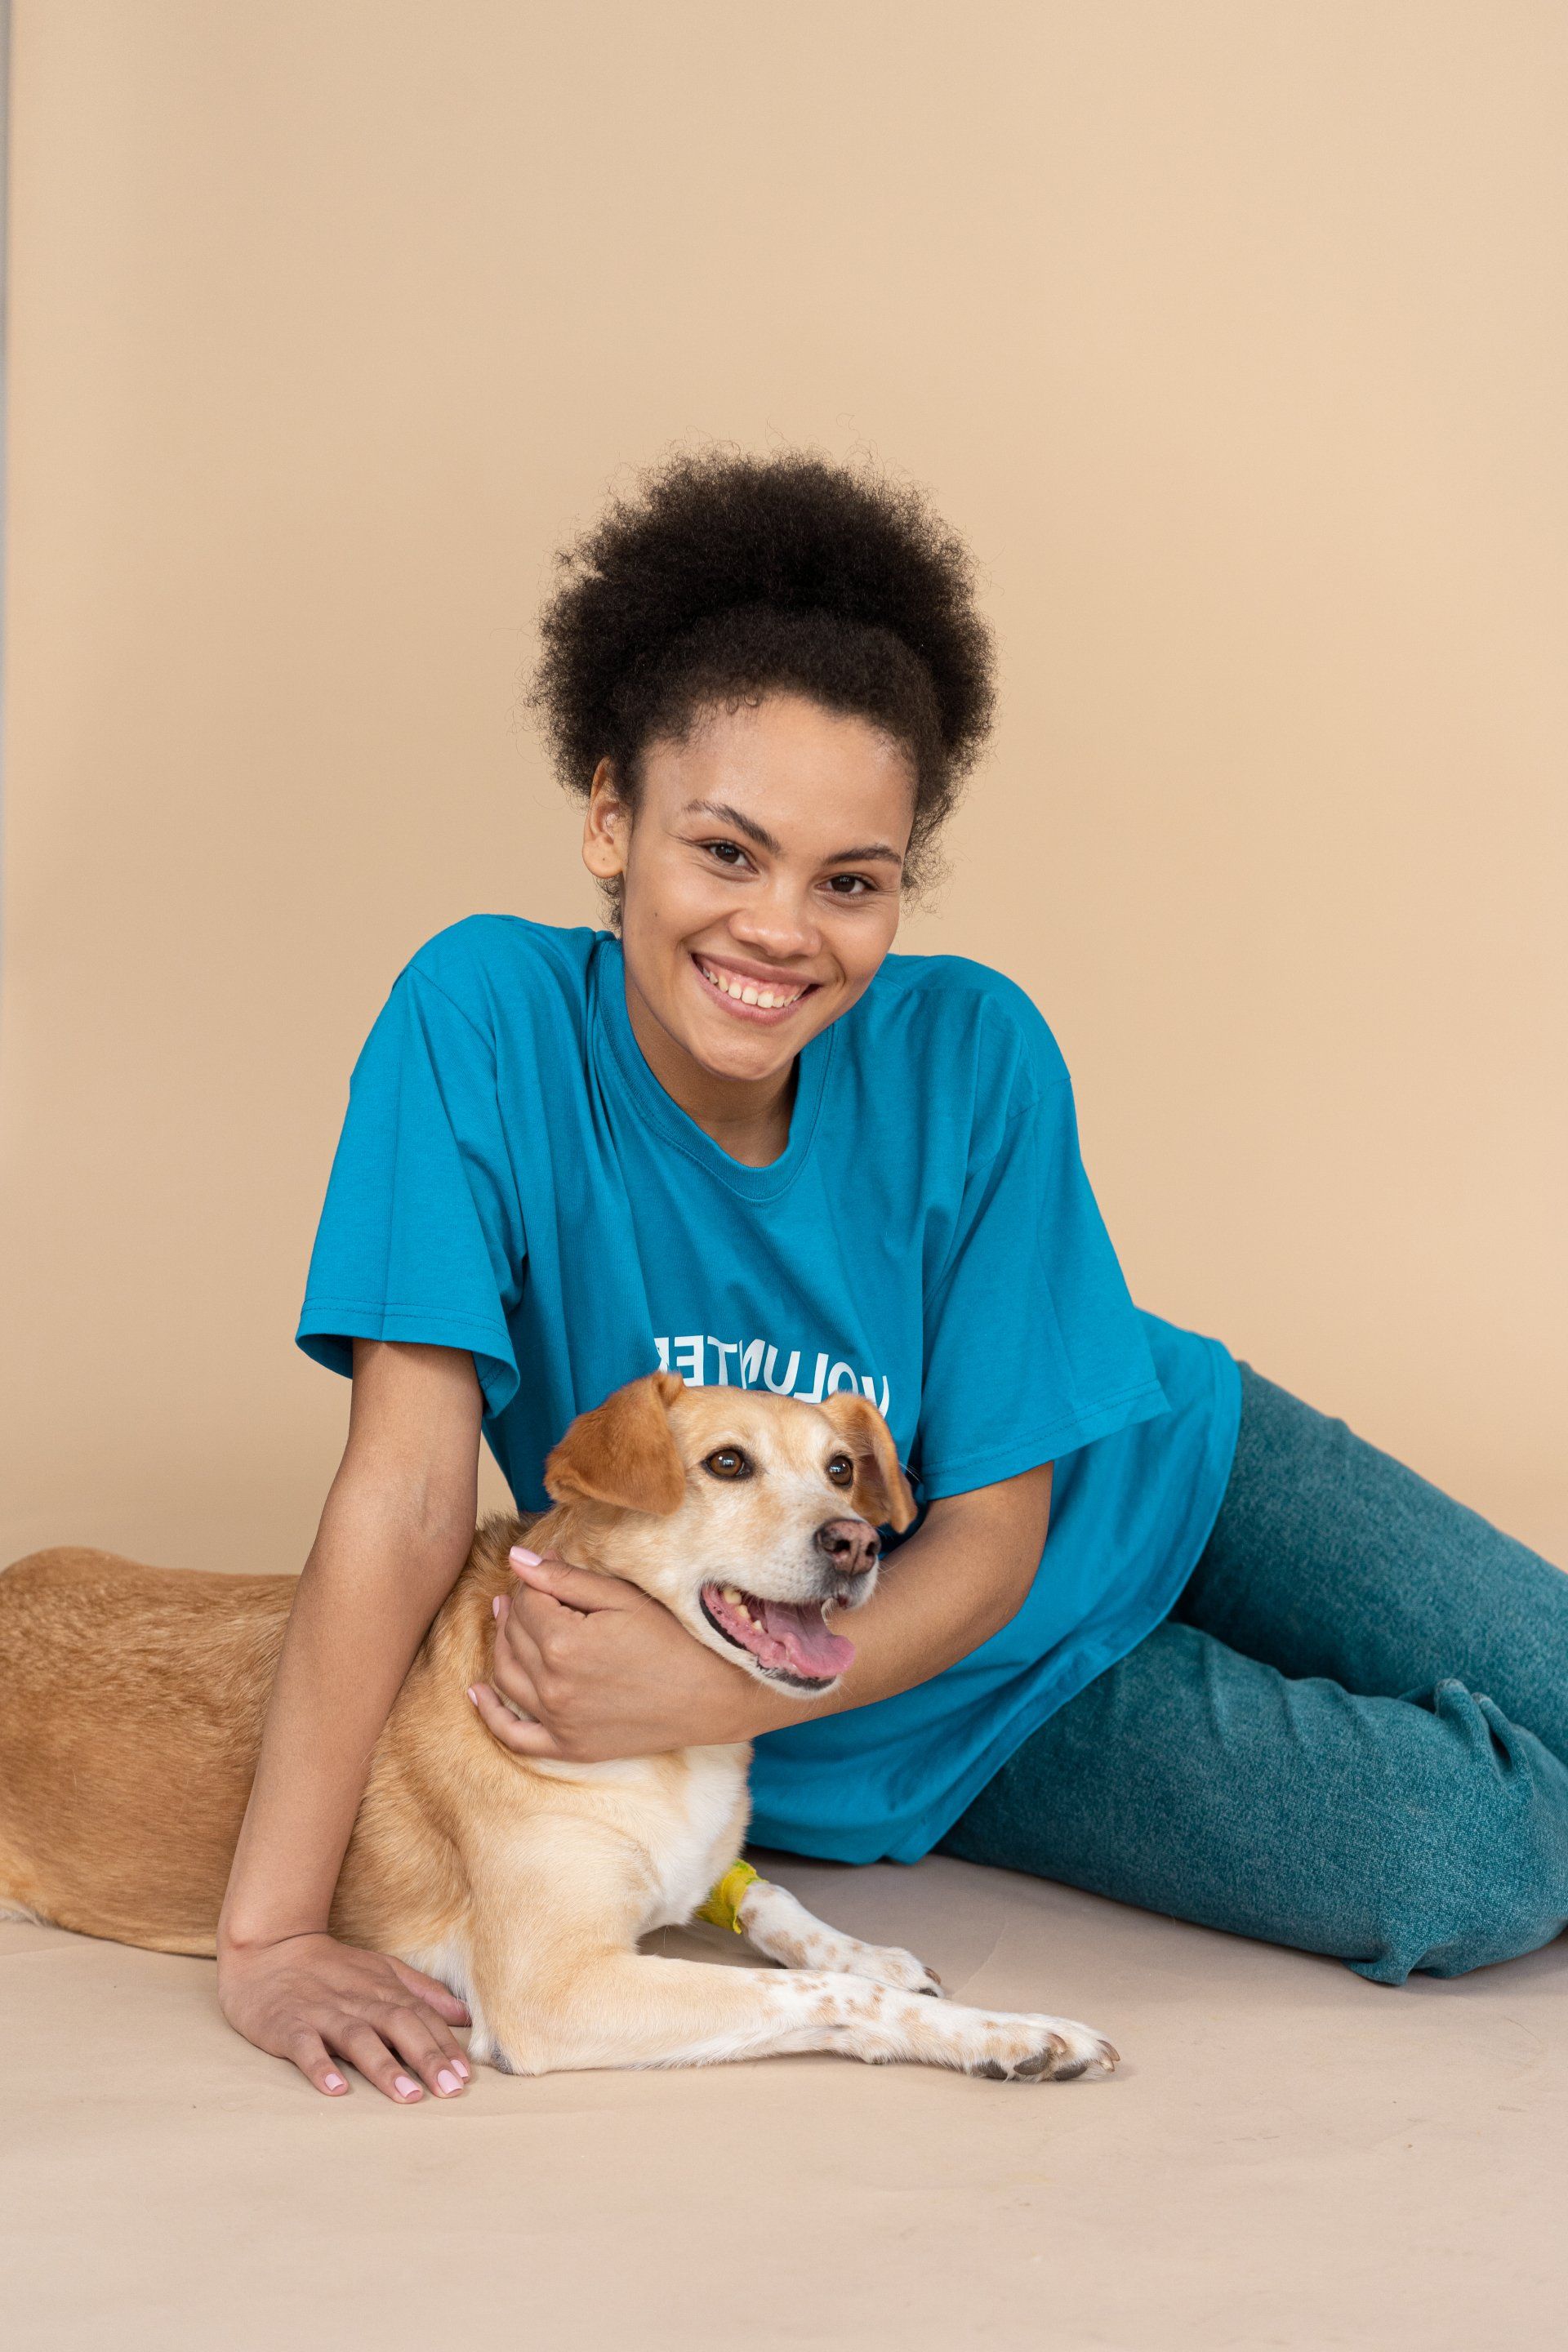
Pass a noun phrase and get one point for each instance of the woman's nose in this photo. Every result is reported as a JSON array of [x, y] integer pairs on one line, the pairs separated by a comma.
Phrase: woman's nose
[[776, 926]]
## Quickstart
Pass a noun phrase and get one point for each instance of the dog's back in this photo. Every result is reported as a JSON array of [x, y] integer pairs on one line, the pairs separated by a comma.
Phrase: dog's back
[[129, 1831]]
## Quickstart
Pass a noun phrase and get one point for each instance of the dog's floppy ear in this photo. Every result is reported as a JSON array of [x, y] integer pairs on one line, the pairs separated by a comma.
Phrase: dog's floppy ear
[[881, 1492], [623, 1452]]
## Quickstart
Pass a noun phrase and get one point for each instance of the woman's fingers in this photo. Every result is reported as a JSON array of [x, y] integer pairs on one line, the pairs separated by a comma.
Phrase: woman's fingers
[[314, 2060], [434, 2052], [362, 2046], [518, 1656], [421, 2042], [583, 1588], [444, 2005], [315, 2001], [522, 1738], [517, 1684]]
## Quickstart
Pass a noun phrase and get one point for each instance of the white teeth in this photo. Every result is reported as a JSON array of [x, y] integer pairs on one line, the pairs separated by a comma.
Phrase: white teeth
[[766, 1000]]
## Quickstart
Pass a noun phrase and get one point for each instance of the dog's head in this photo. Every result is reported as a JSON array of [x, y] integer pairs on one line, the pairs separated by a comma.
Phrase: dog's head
[[748, 1515]]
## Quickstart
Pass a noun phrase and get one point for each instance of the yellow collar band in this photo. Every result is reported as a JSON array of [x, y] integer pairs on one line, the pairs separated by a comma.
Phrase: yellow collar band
[[723, 1904]]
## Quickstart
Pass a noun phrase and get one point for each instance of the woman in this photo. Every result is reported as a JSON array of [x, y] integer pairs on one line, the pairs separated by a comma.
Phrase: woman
[[1261, 1676]]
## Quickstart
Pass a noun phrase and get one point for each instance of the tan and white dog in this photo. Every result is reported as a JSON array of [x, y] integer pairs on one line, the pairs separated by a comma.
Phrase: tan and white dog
[[523, 1884]]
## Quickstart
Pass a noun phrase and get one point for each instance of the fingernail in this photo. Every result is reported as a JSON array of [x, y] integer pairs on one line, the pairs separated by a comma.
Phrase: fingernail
[[529, 1559], [447, 2081], [461, 2065], [404, 2088], [473, 1695], [333, 2083]]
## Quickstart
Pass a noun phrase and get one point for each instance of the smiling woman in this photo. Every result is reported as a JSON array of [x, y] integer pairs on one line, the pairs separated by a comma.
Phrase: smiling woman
[[745, 938], [769, 678], [734, 1137]]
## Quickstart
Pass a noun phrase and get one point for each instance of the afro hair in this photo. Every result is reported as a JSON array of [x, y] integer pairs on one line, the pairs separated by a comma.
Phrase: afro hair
[[725, 576]]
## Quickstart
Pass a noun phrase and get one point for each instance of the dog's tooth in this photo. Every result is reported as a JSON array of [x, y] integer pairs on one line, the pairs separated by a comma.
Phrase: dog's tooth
[[732, 1596]]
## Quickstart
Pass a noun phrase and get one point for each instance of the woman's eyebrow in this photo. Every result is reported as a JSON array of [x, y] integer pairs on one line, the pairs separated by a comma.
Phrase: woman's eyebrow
[[728, 815], [877, 851]]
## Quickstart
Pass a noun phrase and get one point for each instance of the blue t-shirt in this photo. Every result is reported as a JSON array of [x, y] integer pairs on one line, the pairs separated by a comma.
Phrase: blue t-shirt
[[511, 1179]]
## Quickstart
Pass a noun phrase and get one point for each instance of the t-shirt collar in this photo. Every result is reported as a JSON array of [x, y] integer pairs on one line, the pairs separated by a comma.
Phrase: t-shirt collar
[[662, 1112]]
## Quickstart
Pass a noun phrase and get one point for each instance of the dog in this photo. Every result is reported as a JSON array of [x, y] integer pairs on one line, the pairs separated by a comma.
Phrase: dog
[[524, 1884]]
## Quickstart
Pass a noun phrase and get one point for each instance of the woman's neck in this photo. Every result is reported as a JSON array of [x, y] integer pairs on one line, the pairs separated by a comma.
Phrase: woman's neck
[[747, 1117]]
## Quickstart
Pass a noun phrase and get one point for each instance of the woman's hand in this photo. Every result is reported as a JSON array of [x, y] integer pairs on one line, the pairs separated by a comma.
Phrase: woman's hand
[[602, 1670], [311, 1999]]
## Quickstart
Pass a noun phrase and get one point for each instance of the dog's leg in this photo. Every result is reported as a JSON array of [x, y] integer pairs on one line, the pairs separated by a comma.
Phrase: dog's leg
[[777, 1924], [624, 2009]]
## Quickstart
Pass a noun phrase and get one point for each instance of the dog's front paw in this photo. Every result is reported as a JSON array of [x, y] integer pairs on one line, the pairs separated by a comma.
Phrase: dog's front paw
[[1042, 2049], [887, 1964]]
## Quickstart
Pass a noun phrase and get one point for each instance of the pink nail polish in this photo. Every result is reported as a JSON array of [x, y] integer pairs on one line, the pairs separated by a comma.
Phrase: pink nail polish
[[529, 1559], [494, 1606], [333, 2083], [447, 2081], [462, 2067], [473, 1695], [404, 2088]]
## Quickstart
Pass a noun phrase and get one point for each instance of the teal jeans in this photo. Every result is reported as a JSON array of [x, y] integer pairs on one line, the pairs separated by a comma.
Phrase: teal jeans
[[1350, 1735]]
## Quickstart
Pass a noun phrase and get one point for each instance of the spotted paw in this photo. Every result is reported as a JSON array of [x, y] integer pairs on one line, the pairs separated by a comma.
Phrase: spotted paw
[[1046, 2050], [886, 1963]]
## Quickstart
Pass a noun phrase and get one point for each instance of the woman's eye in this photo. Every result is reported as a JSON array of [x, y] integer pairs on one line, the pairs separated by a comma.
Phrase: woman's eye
[[850, 886], [727, 853], [841, 1470], [728, 1461]]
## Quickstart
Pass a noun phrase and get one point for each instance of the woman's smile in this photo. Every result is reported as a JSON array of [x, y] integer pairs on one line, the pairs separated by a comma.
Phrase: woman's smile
[[755, 992], [760, 865]]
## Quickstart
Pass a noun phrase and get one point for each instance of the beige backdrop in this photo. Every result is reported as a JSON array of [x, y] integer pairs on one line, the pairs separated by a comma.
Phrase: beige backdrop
[[1234, 337]]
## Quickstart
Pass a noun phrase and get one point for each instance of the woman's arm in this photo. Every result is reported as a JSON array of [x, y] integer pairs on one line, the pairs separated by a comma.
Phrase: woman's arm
[[397, 1528], [604, 1671]]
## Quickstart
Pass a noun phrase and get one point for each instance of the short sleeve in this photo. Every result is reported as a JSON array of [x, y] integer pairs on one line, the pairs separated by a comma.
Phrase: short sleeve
[[421, 1232], [1033, 1345]]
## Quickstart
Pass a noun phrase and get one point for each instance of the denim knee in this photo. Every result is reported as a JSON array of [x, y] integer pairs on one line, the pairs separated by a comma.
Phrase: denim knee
[[1476, 1868]]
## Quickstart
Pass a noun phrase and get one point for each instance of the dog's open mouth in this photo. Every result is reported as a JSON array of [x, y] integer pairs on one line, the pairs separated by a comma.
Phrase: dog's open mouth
[[787, 1638]]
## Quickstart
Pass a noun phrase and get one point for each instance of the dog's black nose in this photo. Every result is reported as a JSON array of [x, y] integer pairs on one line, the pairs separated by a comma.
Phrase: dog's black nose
[[851, 1544]]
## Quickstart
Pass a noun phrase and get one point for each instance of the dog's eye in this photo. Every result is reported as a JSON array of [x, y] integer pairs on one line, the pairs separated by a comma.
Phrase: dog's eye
[[841, 1470], [728, 1461]]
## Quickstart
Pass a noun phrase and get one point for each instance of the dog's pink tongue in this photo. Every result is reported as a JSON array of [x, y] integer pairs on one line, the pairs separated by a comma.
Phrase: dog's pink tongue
[[814, 1651]]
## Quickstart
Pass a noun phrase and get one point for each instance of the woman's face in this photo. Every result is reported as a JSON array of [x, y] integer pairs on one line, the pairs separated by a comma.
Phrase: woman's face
[[760, 877]]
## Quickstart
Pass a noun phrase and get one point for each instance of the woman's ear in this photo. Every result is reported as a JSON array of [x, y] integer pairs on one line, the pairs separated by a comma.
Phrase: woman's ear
[[623, 1451], [881, 1492], [606, 828]]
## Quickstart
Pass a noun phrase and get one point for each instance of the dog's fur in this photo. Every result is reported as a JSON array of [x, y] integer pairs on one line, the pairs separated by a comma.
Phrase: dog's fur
[[523, 1884]]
